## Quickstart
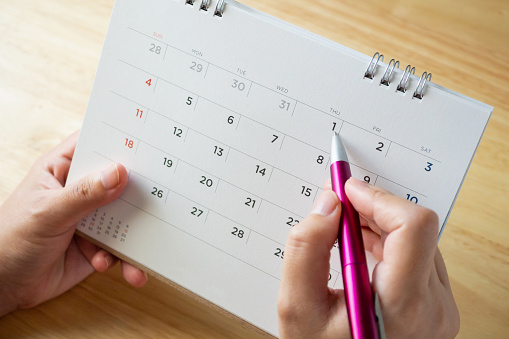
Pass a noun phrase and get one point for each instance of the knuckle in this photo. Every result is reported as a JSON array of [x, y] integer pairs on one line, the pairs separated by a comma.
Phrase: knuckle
[[38, 208], [425, 219], [286, 311], [83, 191], [297, 234], [302, 234]]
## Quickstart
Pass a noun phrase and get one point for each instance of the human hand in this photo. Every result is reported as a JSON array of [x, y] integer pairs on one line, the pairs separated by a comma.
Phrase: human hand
[[410, 277], [40, 257]]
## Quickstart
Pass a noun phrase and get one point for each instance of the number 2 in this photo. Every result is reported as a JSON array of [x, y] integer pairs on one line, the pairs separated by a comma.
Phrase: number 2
[[379, 148]]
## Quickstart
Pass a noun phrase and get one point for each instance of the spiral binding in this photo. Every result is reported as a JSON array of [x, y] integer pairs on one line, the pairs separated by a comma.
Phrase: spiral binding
[[405, 79], [370, 72], [386, 79], [220, 8], [419, 91], [205, 4]]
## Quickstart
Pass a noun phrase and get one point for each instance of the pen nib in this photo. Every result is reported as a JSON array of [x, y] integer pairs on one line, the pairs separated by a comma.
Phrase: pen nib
[[338, 152]]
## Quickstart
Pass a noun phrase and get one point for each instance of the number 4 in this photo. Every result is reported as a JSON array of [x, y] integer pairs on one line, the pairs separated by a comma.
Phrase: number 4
[[149, 82]]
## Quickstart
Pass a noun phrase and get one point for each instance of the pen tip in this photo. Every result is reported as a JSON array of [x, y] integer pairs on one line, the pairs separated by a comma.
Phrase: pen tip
[[338, 152]]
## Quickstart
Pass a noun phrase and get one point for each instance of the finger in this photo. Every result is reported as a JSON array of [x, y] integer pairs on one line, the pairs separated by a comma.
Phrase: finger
[[133, 275], [412, 230], [441, 269], [327, 186], [307, 254], [58, 160], [87, 248], [65, 207], [100, 259], [372, 243], [103, 260], [66, 148]]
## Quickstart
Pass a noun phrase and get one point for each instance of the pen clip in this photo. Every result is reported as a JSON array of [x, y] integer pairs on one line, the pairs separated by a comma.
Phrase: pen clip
[[379, 319]]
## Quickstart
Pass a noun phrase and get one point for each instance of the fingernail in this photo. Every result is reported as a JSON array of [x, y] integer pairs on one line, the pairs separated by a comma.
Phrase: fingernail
[[109, 260], [145, 274], [110, 177], [326, 203]]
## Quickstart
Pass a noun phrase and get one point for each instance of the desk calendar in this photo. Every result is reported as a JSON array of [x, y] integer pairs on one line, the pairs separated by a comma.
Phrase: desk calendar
[[223, 117]]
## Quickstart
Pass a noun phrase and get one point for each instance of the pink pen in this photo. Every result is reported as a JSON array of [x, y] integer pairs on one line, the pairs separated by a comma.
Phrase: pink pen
[[358, 294]]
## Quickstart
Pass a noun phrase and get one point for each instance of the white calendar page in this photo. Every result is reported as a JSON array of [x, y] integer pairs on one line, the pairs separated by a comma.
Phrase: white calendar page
[[225, 123]]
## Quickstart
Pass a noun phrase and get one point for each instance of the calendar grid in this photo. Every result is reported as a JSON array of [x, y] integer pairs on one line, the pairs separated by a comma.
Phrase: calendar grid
[[207, 136], [204, 241], [272, 90], [130, 171], [237, 150], [180, 160]]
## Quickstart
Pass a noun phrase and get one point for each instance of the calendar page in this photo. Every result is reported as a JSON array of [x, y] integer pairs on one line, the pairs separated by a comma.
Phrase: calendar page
[[224, 123]]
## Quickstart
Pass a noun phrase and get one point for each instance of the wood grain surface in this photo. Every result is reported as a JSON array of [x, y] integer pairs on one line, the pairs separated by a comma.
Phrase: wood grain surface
[[49, 52]]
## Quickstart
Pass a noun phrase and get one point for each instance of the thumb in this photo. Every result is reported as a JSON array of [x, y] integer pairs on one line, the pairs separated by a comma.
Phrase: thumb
[[75, 201], [307, 252]]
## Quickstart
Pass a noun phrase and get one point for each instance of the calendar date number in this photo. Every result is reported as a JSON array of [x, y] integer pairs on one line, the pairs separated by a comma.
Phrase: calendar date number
[[196, 67], [292, 221], [237, 232], [206, 181], [129, 143], [168, 162], [157, 192], [196, 212], [155, 49]]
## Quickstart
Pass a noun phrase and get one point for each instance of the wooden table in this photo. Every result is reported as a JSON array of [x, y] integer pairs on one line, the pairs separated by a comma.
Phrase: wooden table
[[49, 51]]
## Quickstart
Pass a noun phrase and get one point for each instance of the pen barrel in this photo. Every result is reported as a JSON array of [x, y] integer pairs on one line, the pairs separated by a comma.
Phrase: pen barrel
[[358, 293], [350, 240], [359, 301]]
